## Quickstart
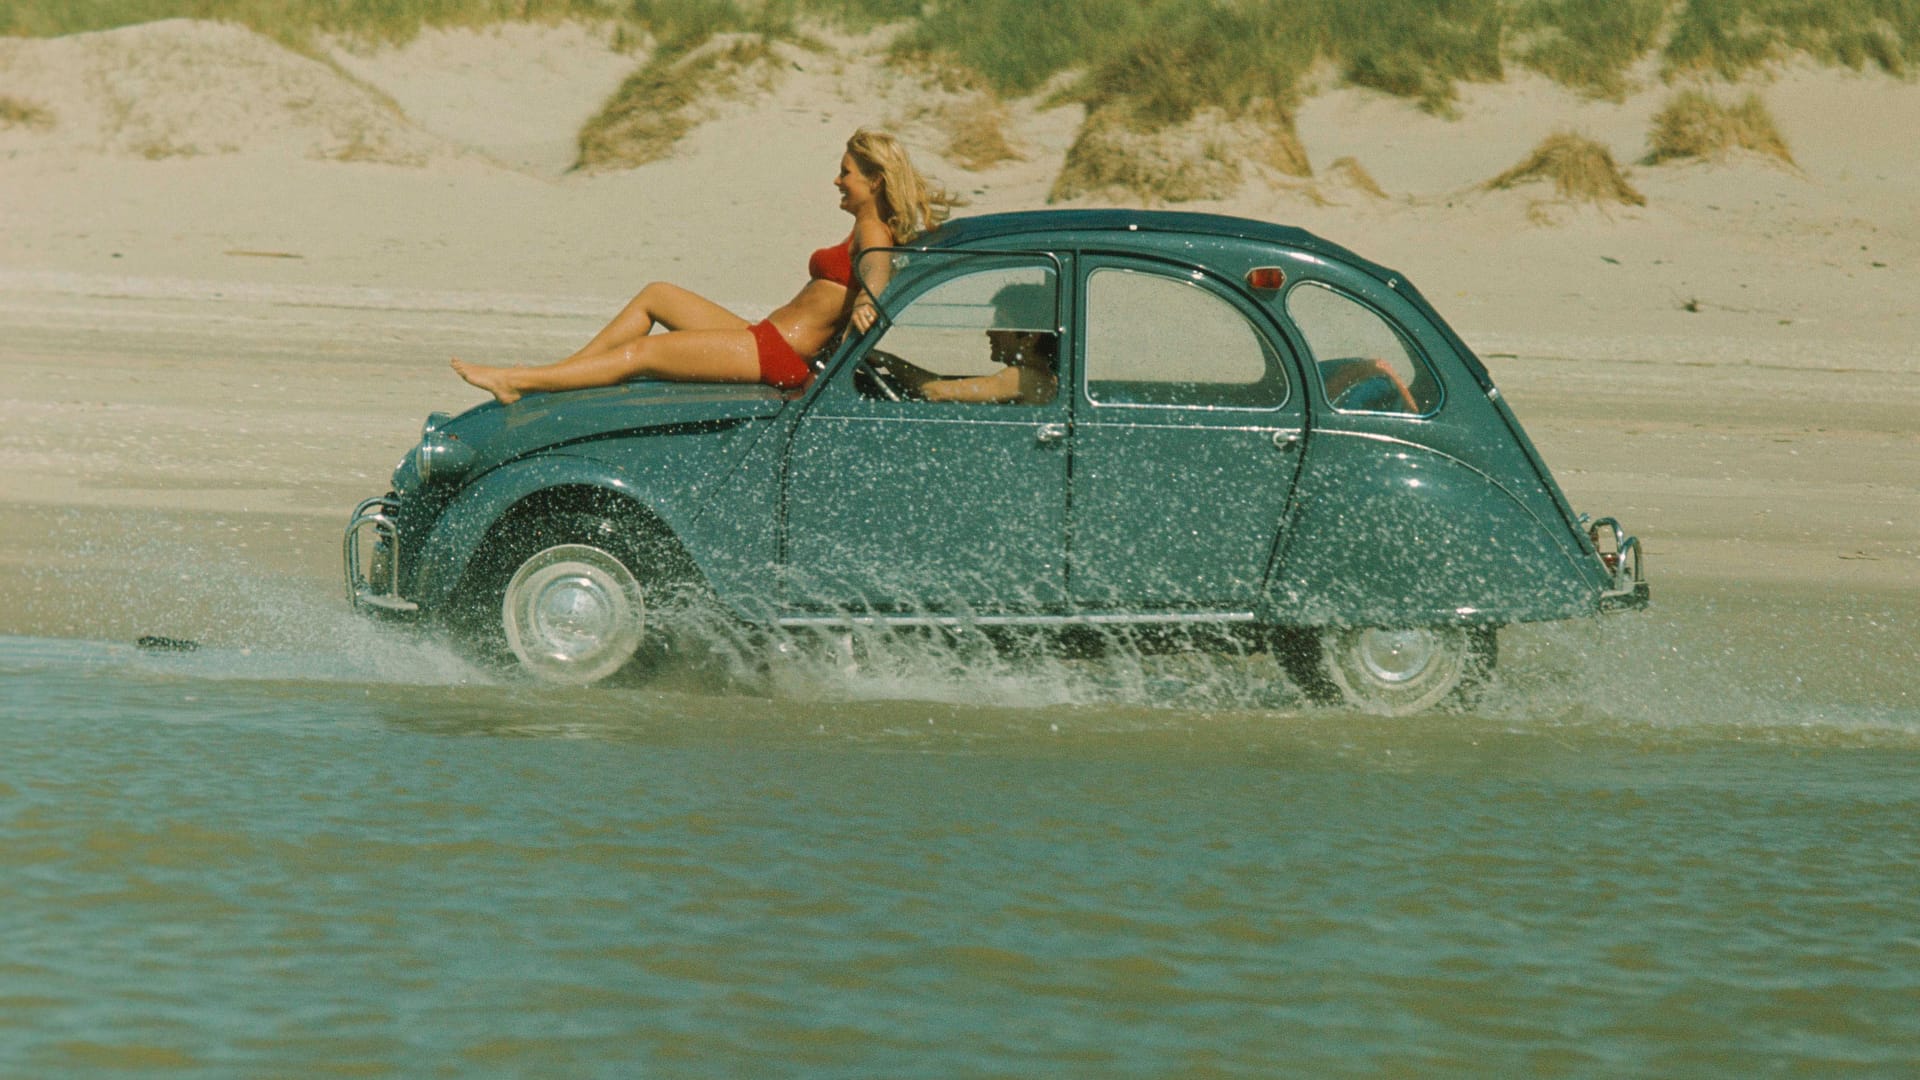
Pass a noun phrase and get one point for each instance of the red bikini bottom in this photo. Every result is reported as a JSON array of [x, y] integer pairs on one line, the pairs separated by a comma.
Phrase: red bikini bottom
[[780, 366]]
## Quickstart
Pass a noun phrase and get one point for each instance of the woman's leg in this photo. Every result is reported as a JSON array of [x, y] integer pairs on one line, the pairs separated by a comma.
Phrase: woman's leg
[[665, 305], [680, 356], [609, 357]]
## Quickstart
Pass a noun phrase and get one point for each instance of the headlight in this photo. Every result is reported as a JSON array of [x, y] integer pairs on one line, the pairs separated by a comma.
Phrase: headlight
[[440, 455]]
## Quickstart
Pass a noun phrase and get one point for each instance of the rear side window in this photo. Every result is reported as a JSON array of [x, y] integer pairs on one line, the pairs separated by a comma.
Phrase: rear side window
[[1158, 340], [1365, 365]]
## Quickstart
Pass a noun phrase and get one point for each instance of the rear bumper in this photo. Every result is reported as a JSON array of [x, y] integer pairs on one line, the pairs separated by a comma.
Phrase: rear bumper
[[1626, 566], [373, 569]]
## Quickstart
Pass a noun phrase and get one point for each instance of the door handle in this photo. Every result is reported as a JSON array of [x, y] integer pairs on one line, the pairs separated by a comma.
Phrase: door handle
[[1286, 441], [1050, 433]]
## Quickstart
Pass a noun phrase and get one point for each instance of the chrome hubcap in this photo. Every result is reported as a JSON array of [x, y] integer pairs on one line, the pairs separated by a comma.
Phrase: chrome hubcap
[[574, 614], [1394, 672], [1395, 656]]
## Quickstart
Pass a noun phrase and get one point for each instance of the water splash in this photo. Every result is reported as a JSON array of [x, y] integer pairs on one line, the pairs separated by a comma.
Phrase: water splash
[[1730, 659]]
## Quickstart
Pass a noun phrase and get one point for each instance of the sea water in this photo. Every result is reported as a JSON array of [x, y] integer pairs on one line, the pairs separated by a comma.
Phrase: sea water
[[1684, 842]]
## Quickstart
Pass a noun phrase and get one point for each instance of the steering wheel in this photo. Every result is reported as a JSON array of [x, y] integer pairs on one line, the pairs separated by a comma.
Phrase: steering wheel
[[874, 380]]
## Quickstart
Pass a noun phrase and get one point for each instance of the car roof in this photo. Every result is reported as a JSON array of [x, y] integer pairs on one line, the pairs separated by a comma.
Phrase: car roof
[[985, 228]]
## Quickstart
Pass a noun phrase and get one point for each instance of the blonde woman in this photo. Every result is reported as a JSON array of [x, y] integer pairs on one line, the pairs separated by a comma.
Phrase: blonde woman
[[891, 204]]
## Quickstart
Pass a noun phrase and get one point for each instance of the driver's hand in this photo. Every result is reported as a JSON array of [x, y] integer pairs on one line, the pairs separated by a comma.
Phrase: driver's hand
[[864, 316]]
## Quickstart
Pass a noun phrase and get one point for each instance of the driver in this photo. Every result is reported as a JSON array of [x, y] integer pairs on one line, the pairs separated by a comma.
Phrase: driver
[[1021, 340], [1029, 377]]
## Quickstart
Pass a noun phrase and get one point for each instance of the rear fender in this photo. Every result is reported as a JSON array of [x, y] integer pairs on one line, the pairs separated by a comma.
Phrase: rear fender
[[1387, 532]]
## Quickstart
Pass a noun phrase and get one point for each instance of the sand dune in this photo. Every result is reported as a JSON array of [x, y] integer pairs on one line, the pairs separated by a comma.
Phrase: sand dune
[[517, 93], [181, 88], [203, 232]]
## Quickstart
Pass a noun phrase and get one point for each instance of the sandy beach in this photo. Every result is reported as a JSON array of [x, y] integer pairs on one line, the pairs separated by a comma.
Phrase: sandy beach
[[231, 275], [1678, 842]]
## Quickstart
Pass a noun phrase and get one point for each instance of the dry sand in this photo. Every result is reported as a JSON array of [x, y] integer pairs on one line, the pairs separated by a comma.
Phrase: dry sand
[[230, 277]]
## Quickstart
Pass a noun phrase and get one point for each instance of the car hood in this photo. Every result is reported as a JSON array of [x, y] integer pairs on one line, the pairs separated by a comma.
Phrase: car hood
[[491, 434], [544, 419]]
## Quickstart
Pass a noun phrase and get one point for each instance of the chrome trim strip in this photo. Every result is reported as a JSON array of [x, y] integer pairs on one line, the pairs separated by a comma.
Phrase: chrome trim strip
[[959, 621]]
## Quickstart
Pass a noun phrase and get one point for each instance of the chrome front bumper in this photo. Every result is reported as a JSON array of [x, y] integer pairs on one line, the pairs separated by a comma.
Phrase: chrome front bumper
[[373, 574], [1621, 555]]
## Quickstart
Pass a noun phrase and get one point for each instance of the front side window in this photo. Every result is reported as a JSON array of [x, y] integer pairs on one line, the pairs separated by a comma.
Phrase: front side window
[[986, 337], [1153, 339], [1365, 365]]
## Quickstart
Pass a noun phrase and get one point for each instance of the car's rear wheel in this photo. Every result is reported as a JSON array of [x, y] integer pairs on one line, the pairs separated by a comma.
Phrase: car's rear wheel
[[1391, 671]]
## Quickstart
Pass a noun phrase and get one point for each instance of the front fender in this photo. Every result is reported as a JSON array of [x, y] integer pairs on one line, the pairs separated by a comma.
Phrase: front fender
[[1389, 532], [462, 526]]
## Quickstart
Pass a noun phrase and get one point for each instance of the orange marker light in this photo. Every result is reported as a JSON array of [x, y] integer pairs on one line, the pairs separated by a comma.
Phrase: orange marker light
[[1267, 278]]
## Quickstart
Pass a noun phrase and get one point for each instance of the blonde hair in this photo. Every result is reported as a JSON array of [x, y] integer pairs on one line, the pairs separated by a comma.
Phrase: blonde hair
[[909, 203]]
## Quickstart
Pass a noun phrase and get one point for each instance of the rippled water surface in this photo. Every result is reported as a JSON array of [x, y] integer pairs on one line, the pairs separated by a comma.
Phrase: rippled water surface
[[1683, 843]]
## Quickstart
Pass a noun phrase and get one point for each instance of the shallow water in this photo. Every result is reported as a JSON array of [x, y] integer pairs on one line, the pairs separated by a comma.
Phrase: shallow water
[[1685, 842]]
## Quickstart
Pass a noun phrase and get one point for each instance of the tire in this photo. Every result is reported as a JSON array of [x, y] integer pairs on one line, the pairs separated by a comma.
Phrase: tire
[[1391, 671], [572, 608]]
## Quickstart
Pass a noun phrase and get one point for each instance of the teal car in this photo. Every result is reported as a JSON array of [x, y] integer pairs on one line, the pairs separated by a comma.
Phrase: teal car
[[1162, 426]]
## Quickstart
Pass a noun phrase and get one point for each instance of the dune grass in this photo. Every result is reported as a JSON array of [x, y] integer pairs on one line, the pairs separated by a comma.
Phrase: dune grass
[[1141, 67], [1580, 170], [1348, 172], [1694, 124], [1586, 45], [977, 132], [293, 22], [1728, 37], [1207, 157], [1412, 49], [16, 113], [657, 105], [1164, 59], [1418, 49]]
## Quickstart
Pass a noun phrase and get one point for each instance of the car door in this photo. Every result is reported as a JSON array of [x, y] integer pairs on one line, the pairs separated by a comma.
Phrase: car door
[[1188, 429], [918, 507]]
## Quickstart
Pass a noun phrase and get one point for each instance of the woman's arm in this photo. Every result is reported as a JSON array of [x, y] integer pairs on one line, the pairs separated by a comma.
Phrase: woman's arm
[[874, 273]]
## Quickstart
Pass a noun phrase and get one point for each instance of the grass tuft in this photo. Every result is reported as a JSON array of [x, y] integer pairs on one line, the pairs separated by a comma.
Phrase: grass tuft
[[976, 130], [1113, 158], [15, 113], [1695, 125], [656, 106], [1348, 172], [1116, 157], [1580, 170]]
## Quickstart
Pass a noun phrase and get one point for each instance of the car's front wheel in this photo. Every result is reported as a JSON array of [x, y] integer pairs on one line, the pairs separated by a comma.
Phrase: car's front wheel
[[573, 613], [567, 596], [1391, 671]]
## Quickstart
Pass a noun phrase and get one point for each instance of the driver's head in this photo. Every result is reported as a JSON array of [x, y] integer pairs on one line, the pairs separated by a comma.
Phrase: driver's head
[[1023, 319], [1023, 348]]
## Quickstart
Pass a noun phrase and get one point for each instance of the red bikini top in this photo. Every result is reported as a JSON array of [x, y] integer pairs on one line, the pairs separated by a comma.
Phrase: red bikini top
[[834, 263]]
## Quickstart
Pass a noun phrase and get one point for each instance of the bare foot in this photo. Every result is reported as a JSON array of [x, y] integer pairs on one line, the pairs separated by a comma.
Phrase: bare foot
[[494, 380]]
